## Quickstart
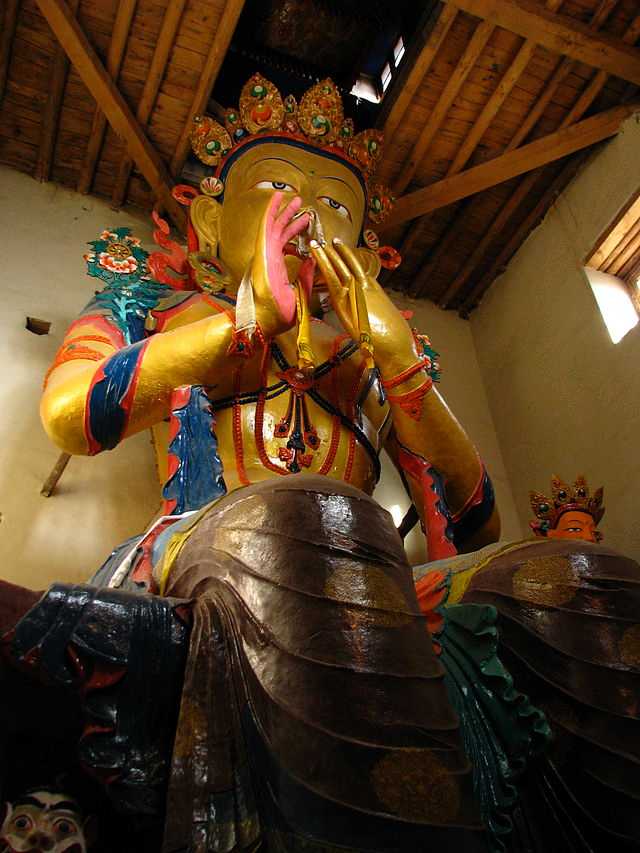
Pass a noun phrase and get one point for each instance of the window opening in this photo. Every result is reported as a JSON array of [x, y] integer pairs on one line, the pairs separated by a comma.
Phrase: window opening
[[613, 271], [398, 52]]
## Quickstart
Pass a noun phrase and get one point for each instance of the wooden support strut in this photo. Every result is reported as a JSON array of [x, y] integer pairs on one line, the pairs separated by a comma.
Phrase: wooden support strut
[[170, 25], [558, 33], [51, 482], [539, 153], [217, 53], [104, 92], [115, 55]]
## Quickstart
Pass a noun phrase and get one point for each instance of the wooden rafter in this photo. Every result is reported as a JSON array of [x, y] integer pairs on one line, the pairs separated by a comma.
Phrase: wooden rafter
[[524, 159], [102, 88], [559, 34], [481, 124], [217, 52], [498, 223], [9, 22], [51, 116], [168, 30], [115, 55], [419, 151], [417, 71]]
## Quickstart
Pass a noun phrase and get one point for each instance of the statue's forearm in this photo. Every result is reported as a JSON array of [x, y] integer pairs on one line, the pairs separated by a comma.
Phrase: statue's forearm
[[426, 429], [88, 406]]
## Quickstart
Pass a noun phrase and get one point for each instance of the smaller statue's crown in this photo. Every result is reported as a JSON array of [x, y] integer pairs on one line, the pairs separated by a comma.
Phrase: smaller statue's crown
[[318, 120], [563, 499]]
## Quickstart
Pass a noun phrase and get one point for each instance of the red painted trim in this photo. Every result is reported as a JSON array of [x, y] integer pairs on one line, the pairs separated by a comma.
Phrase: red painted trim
[[112, 332], [438, 545], [475, 498]]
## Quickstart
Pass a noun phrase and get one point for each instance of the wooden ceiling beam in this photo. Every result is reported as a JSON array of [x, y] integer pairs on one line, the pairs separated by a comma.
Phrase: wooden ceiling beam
[[418, 70], [575, 114], [492, 106], [460, 73], [9, 23], [103, 90], [166, 37], [215, 57], [559, 34], [481, 124], [51, 116], [502, 168], [115, 55]]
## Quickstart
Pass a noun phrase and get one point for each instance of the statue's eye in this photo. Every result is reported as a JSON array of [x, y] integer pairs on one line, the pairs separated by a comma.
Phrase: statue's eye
[[281, 186], [340, 209], [574, 529], [64, 826], [22, 823]]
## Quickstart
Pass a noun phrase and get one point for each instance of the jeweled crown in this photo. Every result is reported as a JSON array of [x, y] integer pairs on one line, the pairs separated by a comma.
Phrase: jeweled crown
[[563, 499], [318, 120]]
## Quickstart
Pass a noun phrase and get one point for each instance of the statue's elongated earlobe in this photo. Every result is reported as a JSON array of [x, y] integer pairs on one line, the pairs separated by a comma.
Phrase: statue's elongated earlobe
[[205, 215]]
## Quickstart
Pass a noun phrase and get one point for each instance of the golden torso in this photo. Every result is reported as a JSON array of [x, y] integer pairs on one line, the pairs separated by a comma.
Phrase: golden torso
[[254, 427]]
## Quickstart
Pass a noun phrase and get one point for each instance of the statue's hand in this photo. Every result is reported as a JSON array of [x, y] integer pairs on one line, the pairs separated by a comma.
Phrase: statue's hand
[[275, 299], [394, 346]]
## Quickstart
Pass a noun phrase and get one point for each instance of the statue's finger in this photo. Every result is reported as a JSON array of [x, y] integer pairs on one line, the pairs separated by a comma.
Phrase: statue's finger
[[326, 267], [344, 273], [288, 212], [351, 260], [272, 208], [295, 227]]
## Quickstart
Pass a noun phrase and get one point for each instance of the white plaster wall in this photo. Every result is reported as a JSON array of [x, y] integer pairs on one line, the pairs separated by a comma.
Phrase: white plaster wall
[[100, 501], [103, 500], [564, 398]]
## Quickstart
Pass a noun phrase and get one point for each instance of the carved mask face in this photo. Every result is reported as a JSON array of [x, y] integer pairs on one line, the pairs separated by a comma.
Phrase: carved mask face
[[43, 822], [575, 525]]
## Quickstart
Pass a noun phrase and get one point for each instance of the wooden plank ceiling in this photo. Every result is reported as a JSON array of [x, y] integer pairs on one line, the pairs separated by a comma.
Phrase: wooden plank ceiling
[[496, 105]]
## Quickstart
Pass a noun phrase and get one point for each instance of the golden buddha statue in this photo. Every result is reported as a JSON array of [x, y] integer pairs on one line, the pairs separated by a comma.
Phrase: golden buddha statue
[[351, 412], [259, 665]]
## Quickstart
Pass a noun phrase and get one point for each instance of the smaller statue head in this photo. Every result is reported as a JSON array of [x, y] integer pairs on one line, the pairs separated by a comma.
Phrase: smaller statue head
[[570, 513], [44, 821]]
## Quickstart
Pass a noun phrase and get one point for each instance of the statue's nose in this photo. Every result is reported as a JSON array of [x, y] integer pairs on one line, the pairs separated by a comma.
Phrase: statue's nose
[[40, 841]]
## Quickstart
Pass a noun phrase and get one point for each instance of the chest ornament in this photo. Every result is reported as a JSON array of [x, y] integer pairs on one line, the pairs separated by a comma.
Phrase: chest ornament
[[296, 424]]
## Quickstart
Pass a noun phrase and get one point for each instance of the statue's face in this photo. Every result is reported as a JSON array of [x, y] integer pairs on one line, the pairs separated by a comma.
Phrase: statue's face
[[322, 183], [43, 822], [575, 525]]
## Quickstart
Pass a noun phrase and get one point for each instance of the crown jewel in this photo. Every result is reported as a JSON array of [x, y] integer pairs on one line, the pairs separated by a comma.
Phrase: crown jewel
[[563, 499], [318, 120]]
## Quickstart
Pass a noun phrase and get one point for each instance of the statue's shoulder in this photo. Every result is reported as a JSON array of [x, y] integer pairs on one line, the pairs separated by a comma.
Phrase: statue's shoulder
[[182, 307]]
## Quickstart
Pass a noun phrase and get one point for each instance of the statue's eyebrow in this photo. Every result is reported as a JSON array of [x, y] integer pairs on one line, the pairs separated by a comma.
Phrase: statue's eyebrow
[[333, 178], [278, 160]]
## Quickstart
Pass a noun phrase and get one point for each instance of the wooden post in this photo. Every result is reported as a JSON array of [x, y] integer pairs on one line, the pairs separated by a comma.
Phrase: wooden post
[[56, 472]]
